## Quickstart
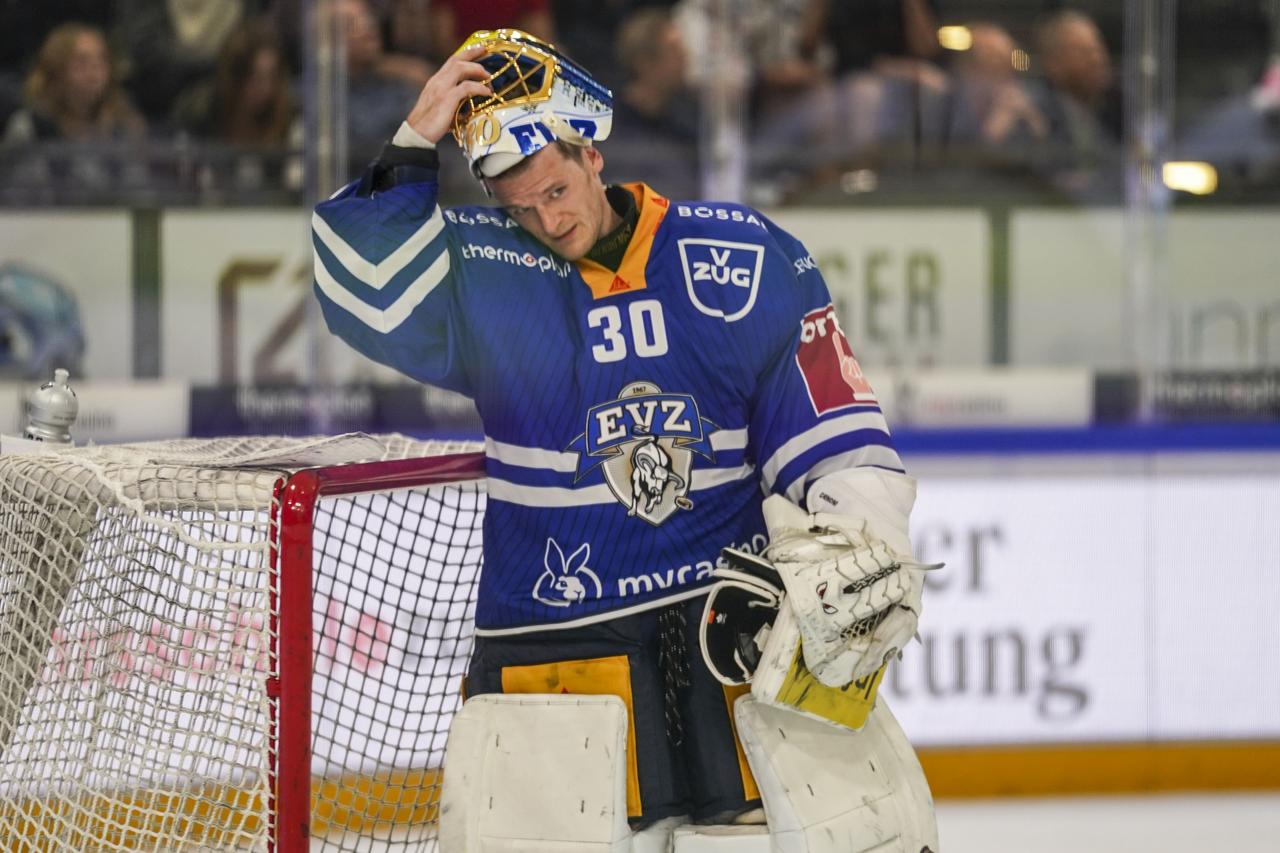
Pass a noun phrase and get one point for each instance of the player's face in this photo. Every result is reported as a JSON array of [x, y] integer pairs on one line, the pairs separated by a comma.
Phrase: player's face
[[558, 200]]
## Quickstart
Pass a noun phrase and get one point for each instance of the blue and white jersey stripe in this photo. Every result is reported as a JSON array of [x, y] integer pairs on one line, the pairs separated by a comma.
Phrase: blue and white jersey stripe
[[809, 455], [535, 476]]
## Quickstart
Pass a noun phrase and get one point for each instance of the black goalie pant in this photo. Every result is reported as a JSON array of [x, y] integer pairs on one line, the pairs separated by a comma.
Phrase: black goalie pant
[[683, 756]]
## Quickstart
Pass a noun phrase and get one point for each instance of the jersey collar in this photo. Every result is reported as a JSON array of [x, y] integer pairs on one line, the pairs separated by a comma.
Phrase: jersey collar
[[605, 282]]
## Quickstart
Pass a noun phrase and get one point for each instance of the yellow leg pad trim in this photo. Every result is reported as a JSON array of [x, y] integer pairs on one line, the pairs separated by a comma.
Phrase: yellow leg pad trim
[[731, 693]]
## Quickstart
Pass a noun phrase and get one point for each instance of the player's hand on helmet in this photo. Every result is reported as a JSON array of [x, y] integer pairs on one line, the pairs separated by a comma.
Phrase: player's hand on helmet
[[459, 78]]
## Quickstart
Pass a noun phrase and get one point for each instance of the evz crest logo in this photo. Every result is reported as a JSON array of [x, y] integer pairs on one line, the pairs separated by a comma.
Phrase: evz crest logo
[[645, 441], [722, 277]]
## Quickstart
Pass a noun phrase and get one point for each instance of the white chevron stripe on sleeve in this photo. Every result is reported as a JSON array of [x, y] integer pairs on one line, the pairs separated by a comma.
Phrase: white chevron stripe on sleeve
[[377, 275], [811, 438], [872, 454], [383, 320]]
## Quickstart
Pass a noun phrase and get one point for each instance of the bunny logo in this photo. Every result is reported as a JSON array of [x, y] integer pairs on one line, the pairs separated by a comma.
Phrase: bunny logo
[[566, 580]]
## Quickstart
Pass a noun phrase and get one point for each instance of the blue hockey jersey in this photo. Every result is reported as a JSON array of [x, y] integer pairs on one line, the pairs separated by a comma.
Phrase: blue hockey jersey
[[634, 420]]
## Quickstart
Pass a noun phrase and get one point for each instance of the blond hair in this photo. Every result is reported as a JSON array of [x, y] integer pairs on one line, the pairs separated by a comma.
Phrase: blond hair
[[46, 87]]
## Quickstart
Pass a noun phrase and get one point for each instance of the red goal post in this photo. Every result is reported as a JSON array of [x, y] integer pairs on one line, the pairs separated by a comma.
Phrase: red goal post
[[233, 644]]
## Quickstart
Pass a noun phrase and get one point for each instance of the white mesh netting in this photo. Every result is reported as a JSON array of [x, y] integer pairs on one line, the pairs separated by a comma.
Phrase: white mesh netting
[[135, 612]]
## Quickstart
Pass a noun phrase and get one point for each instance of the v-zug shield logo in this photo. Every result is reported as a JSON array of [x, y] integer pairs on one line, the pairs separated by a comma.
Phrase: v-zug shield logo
[[645, 440], [722, 277]]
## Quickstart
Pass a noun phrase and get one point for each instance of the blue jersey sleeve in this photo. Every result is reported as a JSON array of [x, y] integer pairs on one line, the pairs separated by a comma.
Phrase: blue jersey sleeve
[[813, 412], [383, 269]]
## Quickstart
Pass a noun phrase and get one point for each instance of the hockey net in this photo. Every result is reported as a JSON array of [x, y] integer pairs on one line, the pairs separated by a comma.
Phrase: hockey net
[[233, 644]]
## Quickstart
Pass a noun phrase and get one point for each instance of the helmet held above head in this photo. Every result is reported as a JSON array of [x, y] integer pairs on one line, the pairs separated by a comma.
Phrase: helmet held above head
[[539, 96]]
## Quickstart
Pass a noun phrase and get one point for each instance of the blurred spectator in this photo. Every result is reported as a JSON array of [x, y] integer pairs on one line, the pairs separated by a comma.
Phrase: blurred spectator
[[453, 20], [72, 97], [407, 24], [72, 93], [25, 26], [1076, 96], [402, 29], [586, 30], [1239, 132], [655, 117], [992, 109], [174, 44], [891, 100], [1266, 95], [772, 38], [897, 37], [249, 102], [784, 51], [382, 87]]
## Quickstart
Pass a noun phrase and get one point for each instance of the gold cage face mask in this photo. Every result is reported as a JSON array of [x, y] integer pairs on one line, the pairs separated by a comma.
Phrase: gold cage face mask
[[521, 71]]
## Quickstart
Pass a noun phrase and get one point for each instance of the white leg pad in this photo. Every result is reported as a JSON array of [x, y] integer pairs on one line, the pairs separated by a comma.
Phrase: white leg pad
[[536, 773], [721, 839], [829, 790]]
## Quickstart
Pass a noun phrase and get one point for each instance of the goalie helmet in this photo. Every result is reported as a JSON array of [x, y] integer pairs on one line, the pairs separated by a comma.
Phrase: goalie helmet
[[539, 96]]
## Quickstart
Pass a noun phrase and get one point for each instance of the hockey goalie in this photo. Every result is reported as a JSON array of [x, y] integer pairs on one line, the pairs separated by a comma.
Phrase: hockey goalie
[[658, 380]]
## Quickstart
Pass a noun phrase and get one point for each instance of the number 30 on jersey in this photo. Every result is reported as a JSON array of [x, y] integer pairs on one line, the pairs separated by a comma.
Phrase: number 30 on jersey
[[642, 330]]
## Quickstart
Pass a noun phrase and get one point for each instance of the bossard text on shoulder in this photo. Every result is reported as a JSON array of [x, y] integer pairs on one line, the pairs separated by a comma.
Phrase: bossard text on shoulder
[[722, 213]]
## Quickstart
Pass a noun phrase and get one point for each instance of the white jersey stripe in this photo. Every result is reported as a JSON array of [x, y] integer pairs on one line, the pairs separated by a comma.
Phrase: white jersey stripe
[[872, 454], [530, 457], [567, 463], [683, 595], [811, 438], [558, 496], [729, 439], [544, 496], [377, 275], [709, 478], [388, 319]]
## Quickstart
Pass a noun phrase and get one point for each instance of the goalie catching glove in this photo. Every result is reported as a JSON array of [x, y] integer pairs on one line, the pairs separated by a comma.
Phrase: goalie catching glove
[[854, 598]]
